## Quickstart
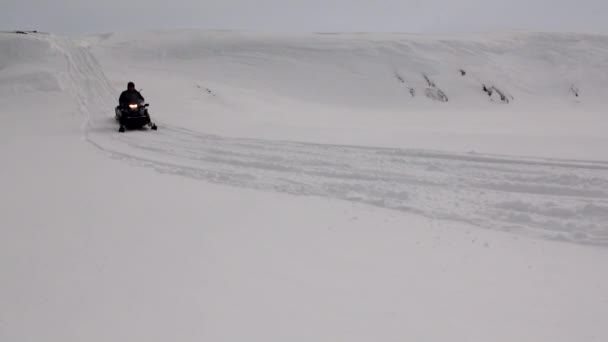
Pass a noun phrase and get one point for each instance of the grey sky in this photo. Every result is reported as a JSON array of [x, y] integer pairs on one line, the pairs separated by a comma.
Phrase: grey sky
[[89, 16]]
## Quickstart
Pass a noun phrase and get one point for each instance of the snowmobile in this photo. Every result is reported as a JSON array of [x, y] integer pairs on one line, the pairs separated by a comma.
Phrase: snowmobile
[[134, 115]]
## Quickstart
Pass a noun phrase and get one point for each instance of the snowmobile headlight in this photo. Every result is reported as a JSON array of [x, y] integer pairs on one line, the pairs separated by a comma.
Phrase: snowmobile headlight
[[133, 106]]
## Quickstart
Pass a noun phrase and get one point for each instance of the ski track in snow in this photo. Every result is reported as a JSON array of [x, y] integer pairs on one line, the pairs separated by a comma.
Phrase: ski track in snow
[[555, 199]]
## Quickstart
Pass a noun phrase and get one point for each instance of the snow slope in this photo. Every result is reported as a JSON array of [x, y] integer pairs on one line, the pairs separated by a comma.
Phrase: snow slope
[[319, 83], [384, 241], [355, 89]]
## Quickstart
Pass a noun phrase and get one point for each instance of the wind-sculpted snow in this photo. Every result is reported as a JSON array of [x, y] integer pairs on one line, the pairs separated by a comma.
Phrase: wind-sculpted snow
[[550, 198]]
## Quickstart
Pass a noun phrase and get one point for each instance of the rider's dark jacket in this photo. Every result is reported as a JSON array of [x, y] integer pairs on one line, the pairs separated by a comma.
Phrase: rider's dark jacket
[[130, 96]]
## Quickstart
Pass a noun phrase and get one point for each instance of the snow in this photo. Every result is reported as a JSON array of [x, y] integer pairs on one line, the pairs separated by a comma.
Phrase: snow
[[297, 191], [345, 88]]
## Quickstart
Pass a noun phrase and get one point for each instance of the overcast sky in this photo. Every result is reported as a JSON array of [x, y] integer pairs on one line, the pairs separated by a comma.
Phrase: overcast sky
[[91, 16]]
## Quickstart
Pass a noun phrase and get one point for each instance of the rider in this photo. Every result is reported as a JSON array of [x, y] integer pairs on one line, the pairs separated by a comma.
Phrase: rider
[[128, 96]]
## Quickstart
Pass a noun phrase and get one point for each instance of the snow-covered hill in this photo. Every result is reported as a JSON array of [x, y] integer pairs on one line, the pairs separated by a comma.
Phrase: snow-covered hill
[[357, 89], [425, 209]]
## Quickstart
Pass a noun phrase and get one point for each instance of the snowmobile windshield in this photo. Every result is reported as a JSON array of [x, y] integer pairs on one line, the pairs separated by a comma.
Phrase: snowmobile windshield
[[132, 98]]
